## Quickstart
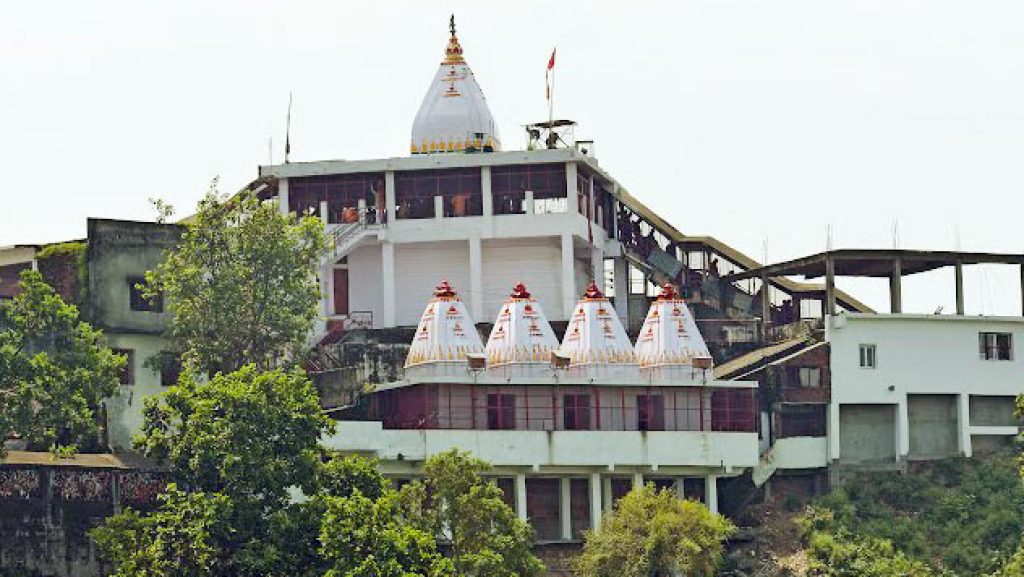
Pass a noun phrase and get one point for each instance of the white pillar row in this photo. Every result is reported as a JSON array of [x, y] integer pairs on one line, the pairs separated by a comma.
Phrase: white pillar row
[[609, 500], [963, 406], [595, 500], [487, 201], [621, 280], [711, 493], [565, 508], [476, 278], [389, 318], [282, 195], [638, 480], [521, 497], [568, 276]]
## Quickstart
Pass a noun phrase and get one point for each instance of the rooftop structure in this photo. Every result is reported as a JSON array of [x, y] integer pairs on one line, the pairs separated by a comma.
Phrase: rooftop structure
[[521, 340], [595, 341], [670, 345], [446, 335], [454, 116]]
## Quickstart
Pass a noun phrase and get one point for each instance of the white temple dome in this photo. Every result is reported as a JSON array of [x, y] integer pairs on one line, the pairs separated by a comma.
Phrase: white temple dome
[[445, 335], [454, 116], [521, 340], [670, 340], [595, 340]]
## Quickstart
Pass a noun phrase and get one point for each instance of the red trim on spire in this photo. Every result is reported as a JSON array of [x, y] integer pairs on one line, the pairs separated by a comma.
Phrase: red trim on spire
[[444, 290], [593, 292], [668, 293], [519, 291]]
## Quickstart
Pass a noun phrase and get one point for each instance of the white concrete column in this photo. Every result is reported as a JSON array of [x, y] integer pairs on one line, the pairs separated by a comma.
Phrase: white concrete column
[[529, 207], [324, 216], [389, 314], [568, 276], [963, 407], [572, 206], [282, 195], [711, 493], [476, 278], [438, 207], [638, 480], [565, 508], [597, 264], [390, 203], [485, 189], [902, 428], [521, 496], [832, 428], [595, 500], [609, 500], [621, 280], [681, 487]]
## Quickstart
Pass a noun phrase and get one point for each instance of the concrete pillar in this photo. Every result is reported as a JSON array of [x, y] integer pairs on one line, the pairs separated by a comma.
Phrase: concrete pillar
[[597, 264], [609, 500], [1022, 289], [529, 207], [324, 215], [521, 496], [959, 270], [476, 278], [830, 286], [638, 480], [896, 287], [572, 204], [832, 428], [438, 207], [681, 487], [766, 302], [565, 508], [389, 314], [390, 203], [595, 500], [711, 493], [621, 281], [487, 201], [902, 428], [568, 276], [282, 195], [963, 422]]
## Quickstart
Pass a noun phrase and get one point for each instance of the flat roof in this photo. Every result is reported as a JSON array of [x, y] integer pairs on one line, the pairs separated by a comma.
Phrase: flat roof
[[877, 263]]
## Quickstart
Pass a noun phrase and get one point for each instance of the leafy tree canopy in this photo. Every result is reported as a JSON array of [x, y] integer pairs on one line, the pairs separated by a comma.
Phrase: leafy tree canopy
[[247, 434], [242, 284], [54, 370], [653, 533], [483, 536]]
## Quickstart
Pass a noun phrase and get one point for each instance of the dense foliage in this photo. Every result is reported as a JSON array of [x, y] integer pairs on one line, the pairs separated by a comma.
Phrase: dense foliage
[[242, 283], [959, 517], [55, 370], [653, 533], [483, 537]]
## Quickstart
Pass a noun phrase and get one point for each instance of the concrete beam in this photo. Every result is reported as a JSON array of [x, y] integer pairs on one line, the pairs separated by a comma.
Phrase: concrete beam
[[896, 287]]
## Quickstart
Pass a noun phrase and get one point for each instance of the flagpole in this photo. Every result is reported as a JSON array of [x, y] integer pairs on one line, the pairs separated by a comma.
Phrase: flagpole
[[551, 101], [288, 130]]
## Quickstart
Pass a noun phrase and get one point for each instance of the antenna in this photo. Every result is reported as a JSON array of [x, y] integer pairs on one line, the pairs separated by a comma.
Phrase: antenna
[[828, 237], [288, 130], [956, 238], [270, 150], [895, 233]]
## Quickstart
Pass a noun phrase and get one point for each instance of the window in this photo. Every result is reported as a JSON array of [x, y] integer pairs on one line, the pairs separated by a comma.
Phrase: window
[[128, 372], [650, 413], [809, 377], [995, 346], [868, 357], [138, 301], [459, 189], [170, 369], [802, 420], [510, 183], [576, 412], [341, 192], [501, 411]]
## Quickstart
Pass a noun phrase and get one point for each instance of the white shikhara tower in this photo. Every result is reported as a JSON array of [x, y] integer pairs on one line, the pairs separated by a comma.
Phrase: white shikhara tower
[[595, 341], [454, 116], [446, 334], [521, 340], [669, 340]]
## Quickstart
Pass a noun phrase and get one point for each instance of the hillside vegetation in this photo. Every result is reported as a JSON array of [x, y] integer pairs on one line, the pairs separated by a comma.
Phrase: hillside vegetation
[[955, 518]]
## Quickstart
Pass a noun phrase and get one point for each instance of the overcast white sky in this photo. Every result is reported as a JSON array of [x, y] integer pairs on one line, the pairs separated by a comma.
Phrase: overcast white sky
[[755, 122]]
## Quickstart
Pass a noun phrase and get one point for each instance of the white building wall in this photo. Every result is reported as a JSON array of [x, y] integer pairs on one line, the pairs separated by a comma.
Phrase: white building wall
[[364, 281], [919, 354], [419, 267], [535, 262], [124, 409]]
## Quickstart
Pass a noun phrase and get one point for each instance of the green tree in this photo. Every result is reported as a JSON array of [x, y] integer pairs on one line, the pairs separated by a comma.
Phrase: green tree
[[482, 535], [366, 537], [242, 284], [55, 370], [248, 434], [655, 534]]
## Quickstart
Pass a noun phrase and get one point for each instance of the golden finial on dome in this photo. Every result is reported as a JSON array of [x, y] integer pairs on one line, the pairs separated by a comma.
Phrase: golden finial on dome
[[453, 53]]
